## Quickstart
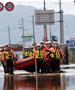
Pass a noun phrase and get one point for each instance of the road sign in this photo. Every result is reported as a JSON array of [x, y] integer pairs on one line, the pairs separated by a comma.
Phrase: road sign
[[71, 43], [1, 6], [9, 6], [44, 17]]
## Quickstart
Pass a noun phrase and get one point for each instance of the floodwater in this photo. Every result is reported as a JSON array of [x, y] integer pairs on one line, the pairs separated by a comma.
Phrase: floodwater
[[55, 81], [26, 81]]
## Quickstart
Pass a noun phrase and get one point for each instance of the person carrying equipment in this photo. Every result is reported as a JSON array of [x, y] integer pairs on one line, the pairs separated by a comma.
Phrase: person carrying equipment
[[2, 60], [40, 60], [26, 52], [55, 60], [9, 56], [30, 51], [38, 55]]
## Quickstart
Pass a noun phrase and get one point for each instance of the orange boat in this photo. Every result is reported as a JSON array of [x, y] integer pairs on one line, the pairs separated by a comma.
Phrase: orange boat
[[27, 64]]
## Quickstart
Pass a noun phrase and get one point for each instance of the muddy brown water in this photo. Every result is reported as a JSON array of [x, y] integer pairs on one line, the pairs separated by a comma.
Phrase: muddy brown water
[[37, 82]]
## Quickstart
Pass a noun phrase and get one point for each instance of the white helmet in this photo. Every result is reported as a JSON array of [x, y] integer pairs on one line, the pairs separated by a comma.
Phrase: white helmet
[[38, 45]]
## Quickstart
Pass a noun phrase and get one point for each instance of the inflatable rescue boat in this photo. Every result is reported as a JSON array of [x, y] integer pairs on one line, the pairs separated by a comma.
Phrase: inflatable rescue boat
[[27, 64]]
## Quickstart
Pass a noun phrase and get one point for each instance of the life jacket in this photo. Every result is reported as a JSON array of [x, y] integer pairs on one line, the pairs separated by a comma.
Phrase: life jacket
[[6, 55], [40, 54], [10, 55], [37, 54], [30, 53], [55, 54], [1, 56], [25, 53], [52, 54]]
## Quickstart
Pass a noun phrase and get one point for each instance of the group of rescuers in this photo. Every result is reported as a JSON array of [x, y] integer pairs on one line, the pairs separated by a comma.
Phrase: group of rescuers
[[48, 59]]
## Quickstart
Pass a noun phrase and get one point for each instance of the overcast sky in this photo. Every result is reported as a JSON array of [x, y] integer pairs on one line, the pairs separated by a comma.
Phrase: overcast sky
[[35, 0], [68, 6]]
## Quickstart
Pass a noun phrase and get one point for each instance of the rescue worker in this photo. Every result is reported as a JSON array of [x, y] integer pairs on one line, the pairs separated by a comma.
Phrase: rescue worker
[[45, 61], [26, 52], [2, 60], [9, 59], [55, 60], [40, 59], [44, 64], [48, 58], [30, 51], [38, 55]]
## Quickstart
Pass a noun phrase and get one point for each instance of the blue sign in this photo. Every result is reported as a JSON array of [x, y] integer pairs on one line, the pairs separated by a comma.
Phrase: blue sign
[[71, 43]]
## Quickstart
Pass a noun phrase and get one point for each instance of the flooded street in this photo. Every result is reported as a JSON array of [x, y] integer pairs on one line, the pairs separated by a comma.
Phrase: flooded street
[[54, 81], [37, 45]]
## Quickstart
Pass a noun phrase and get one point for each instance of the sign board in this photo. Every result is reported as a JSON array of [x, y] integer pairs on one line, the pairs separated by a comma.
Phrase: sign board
[[71, 43], [27, 38], [44, 17], [1, 6], [9, 6]]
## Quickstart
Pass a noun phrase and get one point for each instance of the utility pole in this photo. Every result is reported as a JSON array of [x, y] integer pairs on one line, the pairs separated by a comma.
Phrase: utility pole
[[45, 26], [9, 35], [50, 32], [23, 31], [34, 44], [44, 5], [61, 24], [33, 30]]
